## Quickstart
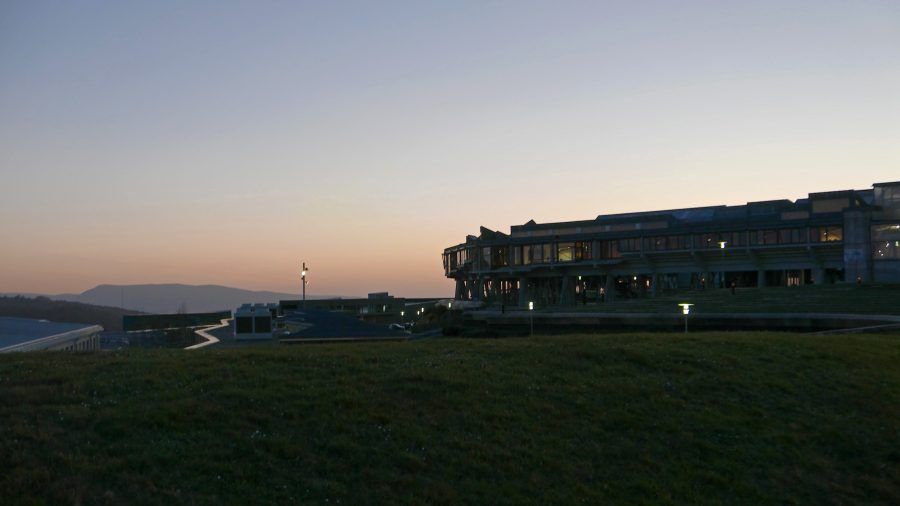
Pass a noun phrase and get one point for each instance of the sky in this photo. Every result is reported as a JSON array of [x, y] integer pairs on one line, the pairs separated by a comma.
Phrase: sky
[[225, 142]]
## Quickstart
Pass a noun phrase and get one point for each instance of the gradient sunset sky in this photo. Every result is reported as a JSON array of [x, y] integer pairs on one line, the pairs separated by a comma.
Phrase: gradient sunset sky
[[224, 142]]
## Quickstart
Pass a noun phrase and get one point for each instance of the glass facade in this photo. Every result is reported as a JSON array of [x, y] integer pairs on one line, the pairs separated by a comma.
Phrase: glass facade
[[537, 254], [573, 251], [886, 241], [826, 234]]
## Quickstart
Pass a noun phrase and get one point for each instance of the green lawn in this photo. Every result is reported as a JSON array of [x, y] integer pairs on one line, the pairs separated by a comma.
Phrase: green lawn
[[843, 298], [746, 418]]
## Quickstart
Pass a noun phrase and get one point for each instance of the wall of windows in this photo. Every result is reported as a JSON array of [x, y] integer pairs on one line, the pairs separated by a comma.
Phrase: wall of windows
[[537, 254], [630, 245], [886, 241], [499, 257], [608, 249], [573, 251], [826, 234]]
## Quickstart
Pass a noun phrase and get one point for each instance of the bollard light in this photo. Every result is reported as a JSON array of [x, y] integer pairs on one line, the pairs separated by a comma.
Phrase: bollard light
[[531, 316], [685, 310]]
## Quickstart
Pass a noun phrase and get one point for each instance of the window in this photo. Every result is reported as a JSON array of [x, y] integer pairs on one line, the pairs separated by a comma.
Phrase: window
[[677, 242], [827, 234], [764, 237], [517, 255], [630, 245], [485, 257], [582, 250], [886, 241], [609, 249], [536, 253], [498, 257], [792, 236], [565, 251]]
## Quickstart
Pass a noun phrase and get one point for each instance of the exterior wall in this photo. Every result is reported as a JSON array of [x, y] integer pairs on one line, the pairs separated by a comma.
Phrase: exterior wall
[[823, 239]]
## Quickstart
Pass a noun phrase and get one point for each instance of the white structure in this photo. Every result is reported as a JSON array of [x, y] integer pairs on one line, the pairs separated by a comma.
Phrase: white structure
[[255, 321], [24, 334]]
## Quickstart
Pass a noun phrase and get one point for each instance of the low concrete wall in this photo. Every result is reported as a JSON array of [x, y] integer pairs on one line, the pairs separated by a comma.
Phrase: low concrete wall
[[519, 322]]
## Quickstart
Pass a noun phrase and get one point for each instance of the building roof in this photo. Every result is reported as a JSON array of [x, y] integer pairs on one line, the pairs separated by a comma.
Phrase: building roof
[[15, 331]]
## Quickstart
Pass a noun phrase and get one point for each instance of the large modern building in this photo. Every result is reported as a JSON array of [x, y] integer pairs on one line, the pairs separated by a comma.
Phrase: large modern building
[[830, 237]]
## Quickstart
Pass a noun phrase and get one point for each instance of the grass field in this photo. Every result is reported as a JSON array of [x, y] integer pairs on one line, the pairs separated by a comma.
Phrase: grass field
[[645, 418], [842, 298]]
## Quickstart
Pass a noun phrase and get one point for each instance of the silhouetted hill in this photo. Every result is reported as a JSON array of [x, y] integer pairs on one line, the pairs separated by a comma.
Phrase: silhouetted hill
[[43, 308], [169, 298]]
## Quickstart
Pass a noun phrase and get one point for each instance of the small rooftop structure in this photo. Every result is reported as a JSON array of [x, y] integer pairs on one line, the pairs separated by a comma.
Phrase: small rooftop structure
[[25, 334], [255, 321]]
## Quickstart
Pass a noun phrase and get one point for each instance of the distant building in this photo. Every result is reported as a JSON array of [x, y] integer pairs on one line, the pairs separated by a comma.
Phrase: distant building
[[838, 236], [255, 321], [23, 334], [377, 306]]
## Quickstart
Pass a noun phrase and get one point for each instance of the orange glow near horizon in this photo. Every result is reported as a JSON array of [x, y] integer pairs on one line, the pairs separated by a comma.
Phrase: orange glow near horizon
[[143, 145]]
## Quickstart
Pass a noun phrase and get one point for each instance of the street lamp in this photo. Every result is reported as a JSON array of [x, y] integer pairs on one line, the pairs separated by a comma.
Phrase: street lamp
[[685, 310], [531, 316], [303, 282], [401, 315], [722, 245]]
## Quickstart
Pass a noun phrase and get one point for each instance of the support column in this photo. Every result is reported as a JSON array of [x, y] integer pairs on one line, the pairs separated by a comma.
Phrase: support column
[[610, 287], [818, 275], [760, 278], [523, 291], [567, 292], [654, 282], [460, 289]]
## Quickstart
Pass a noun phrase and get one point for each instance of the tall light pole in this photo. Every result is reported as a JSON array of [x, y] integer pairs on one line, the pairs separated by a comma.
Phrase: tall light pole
[[303, 282], [722, 245]]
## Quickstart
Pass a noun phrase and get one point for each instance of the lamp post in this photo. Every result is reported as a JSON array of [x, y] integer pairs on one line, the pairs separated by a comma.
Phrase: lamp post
[[685, 310], [722, 245], [401, 315], [303, 282], [531, 316]]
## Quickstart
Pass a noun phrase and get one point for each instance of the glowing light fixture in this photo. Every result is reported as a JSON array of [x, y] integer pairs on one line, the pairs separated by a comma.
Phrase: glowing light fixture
[[722, 244], [685, 310]]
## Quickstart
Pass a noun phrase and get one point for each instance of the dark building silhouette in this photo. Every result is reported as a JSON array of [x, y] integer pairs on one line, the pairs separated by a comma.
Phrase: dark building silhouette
[[830, 237]]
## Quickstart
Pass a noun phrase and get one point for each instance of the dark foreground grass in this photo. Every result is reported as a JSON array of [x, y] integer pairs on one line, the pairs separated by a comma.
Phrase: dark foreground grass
[[710, 418]]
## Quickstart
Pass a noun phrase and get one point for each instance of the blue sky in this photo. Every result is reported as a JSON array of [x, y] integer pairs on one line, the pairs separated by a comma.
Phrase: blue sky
[[226, 141]]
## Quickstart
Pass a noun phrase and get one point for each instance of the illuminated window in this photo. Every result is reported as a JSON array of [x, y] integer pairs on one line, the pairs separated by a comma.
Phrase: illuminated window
[[827, 234], [565, 251]]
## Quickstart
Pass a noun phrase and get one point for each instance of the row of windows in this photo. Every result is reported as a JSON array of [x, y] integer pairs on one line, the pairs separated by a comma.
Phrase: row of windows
[[499, 256]]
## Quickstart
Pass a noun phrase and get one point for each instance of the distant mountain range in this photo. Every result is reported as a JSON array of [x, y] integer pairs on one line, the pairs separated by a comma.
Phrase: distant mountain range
[[169, 298]]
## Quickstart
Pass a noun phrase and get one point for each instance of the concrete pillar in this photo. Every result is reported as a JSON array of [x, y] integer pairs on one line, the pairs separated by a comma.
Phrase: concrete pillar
[[610, 287], [567, 292], [460, 289], [523, 292], [654, 284], [818, 275], [760, 278]]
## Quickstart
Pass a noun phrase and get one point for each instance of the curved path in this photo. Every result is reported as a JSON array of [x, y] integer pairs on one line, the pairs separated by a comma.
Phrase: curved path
[[210, 339]]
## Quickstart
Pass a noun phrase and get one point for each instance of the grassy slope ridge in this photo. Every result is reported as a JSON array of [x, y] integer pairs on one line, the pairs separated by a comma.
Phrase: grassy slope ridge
[[743, 417], [62, 311]]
